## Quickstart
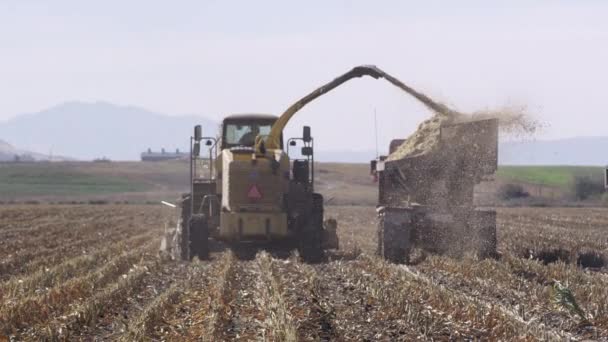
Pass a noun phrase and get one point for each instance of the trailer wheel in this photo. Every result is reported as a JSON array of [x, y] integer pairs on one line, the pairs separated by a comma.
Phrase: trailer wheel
[[485, 225], [310, 244], [394, 235], [199, 237]]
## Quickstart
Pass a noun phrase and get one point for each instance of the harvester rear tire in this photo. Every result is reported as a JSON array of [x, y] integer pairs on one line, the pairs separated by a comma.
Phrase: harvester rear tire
[[199, 237], [311, 235]]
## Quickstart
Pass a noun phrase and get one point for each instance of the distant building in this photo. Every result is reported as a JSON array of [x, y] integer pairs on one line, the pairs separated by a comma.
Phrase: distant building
[[163, 155], [102, 160]]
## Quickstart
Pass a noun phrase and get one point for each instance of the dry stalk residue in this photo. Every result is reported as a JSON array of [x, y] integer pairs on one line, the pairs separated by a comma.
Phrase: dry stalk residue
[[512, 120]]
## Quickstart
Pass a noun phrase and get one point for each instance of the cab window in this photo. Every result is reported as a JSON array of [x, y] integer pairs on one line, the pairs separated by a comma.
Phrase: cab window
[[243, 134]]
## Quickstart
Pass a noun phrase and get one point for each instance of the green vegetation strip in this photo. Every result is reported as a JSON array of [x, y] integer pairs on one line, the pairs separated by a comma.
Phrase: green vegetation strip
[[48, 179], [558, 176]]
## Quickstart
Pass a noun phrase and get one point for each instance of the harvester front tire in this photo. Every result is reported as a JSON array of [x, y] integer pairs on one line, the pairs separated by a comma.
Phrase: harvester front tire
[[199, 237], [183, 236], [311, 235]]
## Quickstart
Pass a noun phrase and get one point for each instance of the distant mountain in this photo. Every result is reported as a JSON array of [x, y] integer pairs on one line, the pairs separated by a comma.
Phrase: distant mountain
[[573, 151], [6, 148], [10, 153], [92, 130], [7, 151]]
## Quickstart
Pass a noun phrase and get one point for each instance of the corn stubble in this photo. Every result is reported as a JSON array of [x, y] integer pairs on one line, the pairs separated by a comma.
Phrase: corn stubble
[[119, 288]]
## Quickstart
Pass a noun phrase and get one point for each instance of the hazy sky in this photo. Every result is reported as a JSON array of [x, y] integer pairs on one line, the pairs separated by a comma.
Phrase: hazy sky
[[216, 57]]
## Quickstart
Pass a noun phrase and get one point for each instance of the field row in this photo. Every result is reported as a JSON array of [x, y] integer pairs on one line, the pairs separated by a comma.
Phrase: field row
[[103, 278]]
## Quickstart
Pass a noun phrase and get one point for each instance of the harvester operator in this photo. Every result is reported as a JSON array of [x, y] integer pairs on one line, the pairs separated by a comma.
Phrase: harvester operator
[[248, 139]]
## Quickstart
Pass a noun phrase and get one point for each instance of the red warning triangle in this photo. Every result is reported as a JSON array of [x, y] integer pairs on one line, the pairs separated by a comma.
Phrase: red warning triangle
[[254, 192]]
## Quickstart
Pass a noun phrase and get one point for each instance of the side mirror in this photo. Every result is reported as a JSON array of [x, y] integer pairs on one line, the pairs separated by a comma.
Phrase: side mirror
[[292, 143], [307, 151], [373, 166], [198, 133], [306, 134], [196, 149]]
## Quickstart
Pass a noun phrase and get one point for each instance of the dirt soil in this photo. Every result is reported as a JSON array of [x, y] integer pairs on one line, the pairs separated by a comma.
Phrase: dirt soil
[[94, 273]]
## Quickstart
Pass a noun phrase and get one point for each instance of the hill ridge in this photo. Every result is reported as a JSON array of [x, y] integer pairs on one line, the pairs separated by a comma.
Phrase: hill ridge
[[89, 130]]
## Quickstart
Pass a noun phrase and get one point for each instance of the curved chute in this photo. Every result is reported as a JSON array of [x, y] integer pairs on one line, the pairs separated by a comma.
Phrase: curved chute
[[273, 139]]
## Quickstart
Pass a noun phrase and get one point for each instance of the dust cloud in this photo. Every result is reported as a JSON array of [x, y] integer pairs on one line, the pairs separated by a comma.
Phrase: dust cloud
[[512, 121]]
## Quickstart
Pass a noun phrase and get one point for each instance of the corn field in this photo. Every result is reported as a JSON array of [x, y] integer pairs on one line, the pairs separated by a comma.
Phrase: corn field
[[93, 272]]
